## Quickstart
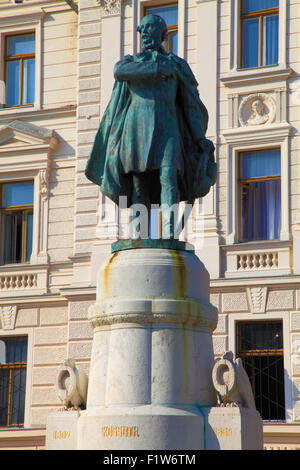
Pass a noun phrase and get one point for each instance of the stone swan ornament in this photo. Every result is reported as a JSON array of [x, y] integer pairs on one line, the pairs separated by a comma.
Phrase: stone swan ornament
[[232, 383], [71, 385]]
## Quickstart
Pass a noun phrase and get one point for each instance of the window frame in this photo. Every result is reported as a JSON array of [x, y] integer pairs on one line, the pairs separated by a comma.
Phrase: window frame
[[285, 318], [20, 58], [262, 353], [139, 13], [266, 138], [172, 29], [12, 366], [260, 14], [252, 180], [236, 73], [26, 209], [21, 25]]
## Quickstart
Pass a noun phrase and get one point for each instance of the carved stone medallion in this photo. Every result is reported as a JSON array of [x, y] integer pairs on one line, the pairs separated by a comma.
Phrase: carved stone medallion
[[257, 109]]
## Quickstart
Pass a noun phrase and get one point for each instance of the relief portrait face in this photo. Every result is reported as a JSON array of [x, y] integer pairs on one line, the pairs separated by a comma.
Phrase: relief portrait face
[[151, 30], [258, 107]]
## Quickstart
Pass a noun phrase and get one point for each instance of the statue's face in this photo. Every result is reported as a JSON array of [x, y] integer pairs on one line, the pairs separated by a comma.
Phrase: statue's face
[[151, 32]]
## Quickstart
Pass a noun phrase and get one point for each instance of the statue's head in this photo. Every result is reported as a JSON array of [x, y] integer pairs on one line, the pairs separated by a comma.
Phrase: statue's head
[[153, 30]]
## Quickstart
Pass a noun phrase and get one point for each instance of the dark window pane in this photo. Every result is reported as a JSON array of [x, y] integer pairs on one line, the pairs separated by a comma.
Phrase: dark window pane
[[13, 380], [29, 81], [254, 164], [266, 374], [260, 347], [13, 83], [251, 42], [18, 396], [254, 5], [21, 44], [4, 394], [8, 238], [173, 42], [11, 242], [261, 210], [29, 236], [270, 42], [261, 335], [16, 350], [168, 13], [18, 194]]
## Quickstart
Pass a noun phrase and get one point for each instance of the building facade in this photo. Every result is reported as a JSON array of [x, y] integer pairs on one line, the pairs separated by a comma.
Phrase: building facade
[[56, 77]]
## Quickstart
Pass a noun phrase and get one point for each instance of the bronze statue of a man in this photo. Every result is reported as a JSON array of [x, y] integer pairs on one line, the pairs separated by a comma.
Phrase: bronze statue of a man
[[151, 144]]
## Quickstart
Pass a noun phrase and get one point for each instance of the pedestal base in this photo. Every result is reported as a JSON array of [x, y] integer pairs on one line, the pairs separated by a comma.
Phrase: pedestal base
[[150, 381], [155, 428]]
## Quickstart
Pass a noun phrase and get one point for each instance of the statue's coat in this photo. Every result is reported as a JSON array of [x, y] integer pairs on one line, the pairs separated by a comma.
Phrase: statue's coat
[[150, 122]]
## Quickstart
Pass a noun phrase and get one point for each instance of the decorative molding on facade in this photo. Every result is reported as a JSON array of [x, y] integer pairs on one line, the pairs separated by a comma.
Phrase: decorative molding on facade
[[257, 109], [44, 177], [257, 297], [8, 316], [111, 7], [21, 136]]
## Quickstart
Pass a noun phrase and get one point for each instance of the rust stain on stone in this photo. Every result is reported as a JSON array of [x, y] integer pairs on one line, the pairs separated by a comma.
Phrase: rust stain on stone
[[106, 275], [180, 277]]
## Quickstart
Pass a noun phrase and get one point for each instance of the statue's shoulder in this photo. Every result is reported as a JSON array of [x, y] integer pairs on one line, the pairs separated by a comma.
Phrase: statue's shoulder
[[184, 68]]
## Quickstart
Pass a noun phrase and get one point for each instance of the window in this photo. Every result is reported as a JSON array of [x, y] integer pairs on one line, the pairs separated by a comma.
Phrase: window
[[260, 195], [20, 69], [16, 222], [13, 361], [259, 25], [170, 14], [260, 346]]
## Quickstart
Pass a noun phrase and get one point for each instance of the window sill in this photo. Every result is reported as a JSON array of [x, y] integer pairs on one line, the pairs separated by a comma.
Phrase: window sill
[[259, 258], [263, 74], [256, 243], [18, 109]]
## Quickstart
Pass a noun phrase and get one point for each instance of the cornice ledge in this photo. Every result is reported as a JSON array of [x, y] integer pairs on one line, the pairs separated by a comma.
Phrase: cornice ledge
[[258, 245], [205, 1], [249, 76], [24, 17], [269, 133]]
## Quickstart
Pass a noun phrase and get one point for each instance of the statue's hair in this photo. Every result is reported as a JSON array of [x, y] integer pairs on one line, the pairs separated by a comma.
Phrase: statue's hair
[[162, 24]]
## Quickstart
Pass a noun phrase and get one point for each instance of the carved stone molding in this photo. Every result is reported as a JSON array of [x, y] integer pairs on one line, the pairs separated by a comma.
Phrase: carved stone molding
[[44, 176], [110, 7], [8, 315], [257, 299], [257, 109]]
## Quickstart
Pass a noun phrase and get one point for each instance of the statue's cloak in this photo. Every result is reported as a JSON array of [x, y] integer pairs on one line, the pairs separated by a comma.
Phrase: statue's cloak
[[104, 166]]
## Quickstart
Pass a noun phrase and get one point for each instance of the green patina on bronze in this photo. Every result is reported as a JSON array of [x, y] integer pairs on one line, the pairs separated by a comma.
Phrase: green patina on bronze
[[168, 244], [151, 145]]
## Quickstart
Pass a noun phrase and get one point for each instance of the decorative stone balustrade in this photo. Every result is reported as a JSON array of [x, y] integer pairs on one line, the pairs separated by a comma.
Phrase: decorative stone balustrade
[[263, 258], [19, 281], [257, 261]]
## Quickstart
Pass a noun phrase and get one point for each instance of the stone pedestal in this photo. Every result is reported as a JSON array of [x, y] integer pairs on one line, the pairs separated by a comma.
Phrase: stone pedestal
[[150, 382], [152, 353]]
